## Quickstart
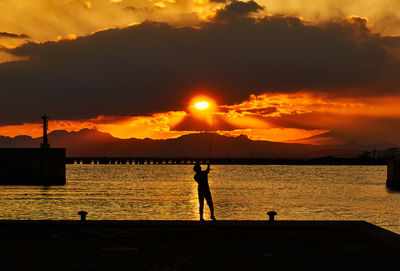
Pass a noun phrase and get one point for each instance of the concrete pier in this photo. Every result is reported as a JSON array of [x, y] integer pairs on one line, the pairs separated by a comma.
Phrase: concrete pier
[[223, 161], [191, 245], [35, 166]]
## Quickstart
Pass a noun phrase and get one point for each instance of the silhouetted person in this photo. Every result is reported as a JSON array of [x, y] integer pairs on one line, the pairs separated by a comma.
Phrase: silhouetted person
[[201, 177]]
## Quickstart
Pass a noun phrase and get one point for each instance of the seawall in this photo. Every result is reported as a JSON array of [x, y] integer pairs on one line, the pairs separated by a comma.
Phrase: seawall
[[191, 245], [32, 166]]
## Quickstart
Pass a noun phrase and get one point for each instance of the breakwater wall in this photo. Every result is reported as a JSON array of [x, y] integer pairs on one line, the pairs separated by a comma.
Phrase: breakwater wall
[[393, 169], [224, 161], [32, 166]]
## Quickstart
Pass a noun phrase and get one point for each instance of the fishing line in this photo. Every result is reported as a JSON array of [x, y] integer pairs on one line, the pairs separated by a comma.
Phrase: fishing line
[[212, 135]]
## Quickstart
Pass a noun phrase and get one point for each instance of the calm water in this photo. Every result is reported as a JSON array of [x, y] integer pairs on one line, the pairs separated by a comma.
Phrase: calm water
[[239, 192]]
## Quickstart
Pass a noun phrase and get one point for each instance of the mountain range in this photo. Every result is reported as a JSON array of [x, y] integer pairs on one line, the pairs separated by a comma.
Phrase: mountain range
[[89, 142]]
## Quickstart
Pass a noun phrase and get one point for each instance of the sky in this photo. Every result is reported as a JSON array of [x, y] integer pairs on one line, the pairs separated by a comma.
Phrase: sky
[[318, 72]]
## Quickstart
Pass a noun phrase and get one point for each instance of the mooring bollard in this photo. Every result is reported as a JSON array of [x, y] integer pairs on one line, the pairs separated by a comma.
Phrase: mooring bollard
[[83, 215], [271, 215]]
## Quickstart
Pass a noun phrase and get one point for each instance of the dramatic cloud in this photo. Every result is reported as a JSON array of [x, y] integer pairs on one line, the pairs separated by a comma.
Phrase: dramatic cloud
[[365, 120], [13, 35], [157, 126], [277, 117], [237, 9], [46, 20], [235, 53], [156, 67], [384, 15]]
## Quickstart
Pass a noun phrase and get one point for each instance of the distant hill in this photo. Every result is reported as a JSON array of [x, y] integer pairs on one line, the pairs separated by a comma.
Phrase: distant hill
[[328, 138], [89, 142], [19, 142]]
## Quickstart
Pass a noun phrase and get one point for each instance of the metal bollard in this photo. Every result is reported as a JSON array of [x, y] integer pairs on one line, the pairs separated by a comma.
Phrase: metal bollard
[[272, 215], [83, 215]]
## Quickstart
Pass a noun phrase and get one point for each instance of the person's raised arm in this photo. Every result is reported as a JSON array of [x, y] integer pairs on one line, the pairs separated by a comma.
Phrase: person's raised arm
[[208, 167]]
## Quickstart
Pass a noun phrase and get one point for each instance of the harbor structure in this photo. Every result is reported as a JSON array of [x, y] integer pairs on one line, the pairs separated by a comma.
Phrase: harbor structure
[[45, 144], [33, 166], [393, 169]]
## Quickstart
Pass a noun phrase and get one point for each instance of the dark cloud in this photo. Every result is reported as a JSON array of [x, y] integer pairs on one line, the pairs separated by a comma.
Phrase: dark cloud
[[135, 9], [154, 67], [254, 111], [242, 8], [13, 35], [218, 1], [237, 9], [260, 111]]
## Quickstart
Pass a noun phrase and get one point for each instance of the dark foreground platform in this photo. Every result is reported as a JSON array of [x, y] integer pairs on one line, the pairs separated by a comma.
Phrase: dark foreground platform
[[189, 245]]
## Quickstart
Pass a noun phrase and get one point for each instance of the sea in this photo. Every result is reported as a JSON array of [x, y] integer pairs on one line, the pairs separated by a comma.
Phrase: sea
[[240, 192]]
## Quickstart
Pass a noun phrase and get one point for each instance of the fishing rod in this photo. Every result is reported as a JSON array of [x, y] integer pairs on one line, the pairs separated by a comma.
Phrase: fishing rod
[[211, 137]]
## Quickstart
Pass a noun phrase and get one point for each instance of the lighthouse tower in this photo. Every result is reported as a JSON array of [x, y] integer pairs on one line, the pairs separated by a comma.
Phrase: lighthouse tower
[[45, 144]]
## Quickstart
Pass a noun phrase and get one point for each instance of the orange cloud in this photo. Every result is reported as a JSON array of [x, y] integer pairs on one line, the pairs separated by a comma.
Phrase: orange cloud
[[274, 117], [277, 105], [157, 126]]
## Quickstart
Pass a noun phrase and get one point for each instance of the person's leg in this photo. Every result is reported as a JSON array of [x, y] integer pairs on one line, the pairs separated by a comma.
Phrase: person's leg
[[201, 205], [210, 204]]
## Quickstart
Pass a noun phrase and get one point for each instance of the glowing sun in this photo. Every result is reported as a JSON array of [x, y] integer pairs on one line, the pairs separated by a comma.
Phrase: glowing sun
[[202, 105]]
